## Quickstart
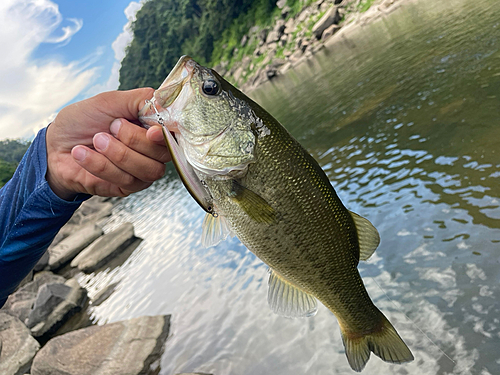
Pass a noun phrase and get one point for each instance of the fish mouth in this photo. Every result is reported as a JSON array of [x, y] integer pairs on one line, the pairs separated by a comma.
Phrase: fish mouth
[[156, 110]]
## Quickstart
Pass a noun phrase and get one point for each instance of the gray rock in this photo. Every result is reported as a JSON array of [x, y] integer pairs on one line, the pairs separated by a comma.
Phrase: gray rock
[[105, 248], [281, 4], [127, 348], [329, 18], [42, 263], [289, 26], [244, 40], [237, 74], [54, 305], [17, 347], [304, 14], [273, 36], [329, 31], [285, 11], [19, 304], [68, 248]]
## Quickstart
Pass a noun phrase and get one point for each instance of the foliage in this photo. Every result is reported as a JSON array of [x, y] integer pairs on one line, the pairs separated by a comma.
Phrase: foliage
[[364, 5], [166, 29], [11, 153]]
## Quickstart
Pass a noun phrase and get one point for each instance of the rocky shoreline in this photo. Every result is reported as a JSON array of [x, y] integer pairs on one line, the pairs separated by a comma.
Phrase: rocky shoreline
[[292, 40], [44, 325]]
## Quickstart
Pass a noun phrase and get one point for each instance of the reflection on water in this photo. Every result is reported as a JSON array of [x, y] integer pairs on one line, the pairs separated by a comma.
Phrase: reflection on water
[[405, 120]]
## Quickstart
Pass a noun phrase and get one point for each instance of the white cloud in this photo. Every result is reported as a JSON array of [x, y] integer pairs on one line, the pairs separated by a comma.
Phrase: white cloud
[[119, 46], [32, 91]]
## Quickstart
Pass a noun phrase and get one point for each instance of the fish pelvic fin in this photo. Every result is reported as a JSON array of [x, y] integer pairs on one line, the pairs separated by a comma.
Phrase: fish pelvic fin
[[215, 229], [385, 342], [288, 300], [368, 236]]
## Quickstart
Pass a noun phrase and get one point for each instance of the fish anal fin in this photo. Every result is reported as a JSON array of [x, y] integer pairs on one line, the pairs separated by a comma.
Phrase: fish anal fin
[[214, 230], [288, 300], [253, 204], [383, 342], [368, 236]]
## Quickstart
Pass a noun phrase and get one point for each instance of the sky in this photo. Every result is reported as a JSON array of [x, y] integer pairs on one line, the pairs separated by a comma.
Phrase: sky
[[55, 52]]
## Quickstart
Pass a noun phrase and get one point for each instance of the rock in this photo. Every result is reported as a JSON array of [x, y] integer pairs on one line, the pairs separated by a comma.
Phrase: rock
[[245, 62], [54, 305], [194, 373], [329, 31], [285, 68], [285, 11], [42, 263], [17, 347], [272, 37], [237, 74], [19, 303], [289, 26], [281, 4], [126, 348], [105, 248], [329, 18], [304, 14], [244, 40], [68, 248], [296, 55]]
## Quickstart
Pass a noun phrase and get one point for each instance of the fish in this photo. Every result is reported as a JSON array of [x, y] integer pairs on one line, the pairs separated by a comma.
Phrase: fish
[[255, 181]]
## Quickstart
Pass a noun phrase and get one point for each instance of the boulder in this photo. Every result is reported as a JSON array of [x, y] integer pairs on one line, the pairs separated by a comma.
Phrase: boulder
[[17, 347], [127, 348], [281, 4], [329, 31], [273, 36], [68, 248], [237, 74], [54, 305], [108, 246], [329, 18], [19, 303]]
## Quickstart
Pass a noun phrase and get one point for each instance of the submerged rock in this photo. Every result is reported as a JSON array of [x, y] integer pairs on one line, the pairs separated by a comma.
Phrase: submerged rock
[[105, 248], [127, 348], [17, 347]]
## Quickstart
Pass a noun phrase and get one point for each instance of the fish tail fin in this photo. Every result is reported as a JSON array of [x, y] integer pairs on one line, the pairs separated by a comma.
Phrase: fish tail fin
[[385, 342]]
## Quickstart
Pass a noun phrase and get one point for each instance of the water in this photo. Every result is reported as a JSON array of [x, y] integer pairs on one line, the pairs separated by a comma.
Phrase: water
[[404, 116]]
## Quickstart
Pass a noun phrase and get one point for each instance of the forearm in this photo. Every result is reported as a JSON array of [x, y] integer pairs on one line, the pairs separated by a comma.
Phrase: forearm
[[31, 214]]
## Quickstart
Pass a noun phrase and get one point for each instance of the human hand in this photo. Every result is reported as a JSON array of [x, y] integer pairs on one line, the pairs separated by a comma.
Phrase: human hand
[[93, 148]]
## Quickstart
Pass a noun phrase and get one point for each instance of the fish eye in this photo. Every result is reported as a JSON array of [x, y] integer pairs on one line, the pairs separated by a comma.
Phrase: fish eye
[[210, 87]]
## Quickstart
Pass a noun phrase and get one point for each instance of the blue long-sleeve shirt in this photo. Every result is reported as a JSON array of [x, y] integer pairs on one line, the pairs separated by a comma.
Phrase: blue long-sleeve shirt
[[31, 214]]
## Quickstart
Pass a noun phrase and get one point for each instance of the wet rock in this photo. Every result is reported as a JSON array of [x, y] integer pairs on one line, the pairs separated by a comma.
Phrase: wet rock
[[19, 303], [17, 347], [105, 248], [126, 348], [68, 248], [329, 18], [54, 305], [329, 31]]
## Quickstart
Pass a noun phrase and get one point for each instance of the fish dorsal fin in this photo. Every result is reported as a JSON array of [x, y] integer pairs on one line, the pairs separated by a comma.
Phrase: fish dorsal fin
[[287, 300], [253, 204], [214, 230], [368, 236]]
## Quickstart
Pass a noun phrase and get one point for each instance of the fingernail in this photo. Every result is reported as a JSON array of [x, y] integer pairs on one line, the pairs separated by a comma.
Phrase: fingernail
[[115, 126], [101, 141], [79, 153]]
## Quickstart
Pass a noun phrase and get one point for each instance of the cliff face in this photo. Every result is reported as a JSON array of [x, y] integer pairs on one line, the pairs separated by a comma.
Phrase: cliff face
[[248, 42]]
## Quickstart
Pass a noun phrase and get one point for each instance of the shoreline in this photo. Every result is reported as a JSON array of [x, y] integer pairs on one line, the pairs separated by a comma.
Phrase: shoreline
[[290, 42]]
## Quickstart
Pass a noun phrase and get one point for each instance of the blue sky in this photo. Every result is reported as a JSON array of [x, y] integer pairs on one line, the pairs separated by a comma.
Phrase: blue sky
[[55, 52]]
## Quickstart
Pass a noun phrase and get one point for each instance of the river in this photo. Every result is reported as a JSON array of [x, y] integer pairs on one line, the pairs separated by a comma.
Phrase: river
[[403, 114]]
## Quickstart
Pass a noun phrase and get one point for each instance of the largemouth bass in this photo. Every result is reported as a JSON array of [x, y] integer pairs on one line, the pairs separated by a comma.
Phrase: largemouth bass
[[256, 181]]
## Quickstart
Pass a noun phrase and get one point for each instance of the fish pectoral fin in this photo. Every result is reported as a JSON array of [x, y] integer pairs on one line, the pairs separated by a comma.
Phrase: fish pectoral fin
[[214, 230], [368, 236], [288, 300], [253, 204]]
